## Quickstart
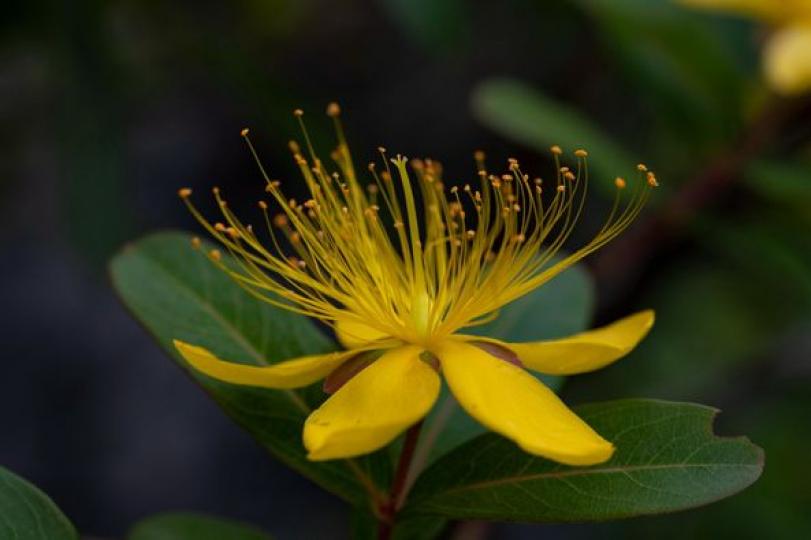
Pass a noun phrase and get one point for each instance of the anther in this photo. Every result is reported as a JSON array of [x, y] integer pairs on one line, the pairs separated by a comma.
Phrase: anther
[[195, 242], [652, 182], [298, 112], [280, 220], [184, 192], [263, 205], [244, 132], [581, 153], [561, 188], [569, 175], [641, 167], [555, 149], [219, 227], [215, 254], [619, 182], [333, 109]]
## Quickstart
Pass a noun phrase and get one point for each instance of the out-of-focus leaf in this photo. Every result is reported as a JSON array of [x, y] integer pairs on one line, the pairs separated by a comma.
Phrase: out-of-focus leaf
[[667, 459], [782, 182], [186, 526], [435, 25], [562, 307], [688, 68], [176, 293], [27, 513], [766, 249], [529, 117]]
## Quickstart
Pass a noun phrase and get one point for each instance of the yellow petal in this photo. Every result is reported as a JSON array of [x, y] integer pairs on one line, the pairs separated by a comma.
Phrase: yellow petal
[[353, 333], [587, 351], [787, 59], [289, 374], [375, 406], [510, 401]]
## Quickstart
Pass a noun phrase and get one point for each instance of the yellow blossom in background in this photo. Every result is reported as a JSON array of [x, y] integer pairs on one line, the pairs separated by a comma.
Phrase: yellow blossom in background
[[787, 53], [400, 267]]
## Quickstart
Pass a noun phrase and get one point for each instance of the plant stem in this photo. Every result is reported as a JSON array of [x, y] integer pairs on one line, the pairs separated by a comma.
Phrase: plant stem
[[389, 508]]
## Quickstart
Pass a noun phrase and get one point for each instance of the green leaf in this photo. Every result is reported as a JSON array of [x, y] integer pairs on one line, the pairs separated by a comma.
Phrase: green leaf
[[562, 307], [188, 526], [27, 513], [529, 117], [667, 459], [177, 293]]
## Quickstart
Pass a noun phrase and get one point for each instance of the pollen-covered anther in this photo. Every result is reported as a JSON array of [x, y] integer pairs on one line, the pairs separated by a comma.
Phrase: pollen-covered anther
[[652, 182], [232, 232], [244, 132], [333, 109], [195, 242], [641, 167], [555, 149], [561, 188], [619, 182], [580, 153], [280, 220], [518, 238], [220, 227], [215, 255], [263, 205], [298, 112], [569, 175], [184, 192]]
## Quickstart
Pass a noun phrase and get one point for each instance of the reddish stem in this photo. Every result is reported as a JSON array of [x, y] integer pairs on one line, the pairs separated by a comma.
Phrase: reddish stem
[[388, 509]]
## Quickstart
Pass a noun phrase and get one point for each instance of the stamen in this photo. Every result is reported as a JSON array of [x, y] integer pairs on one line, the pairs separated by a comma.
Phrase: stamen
[[409, 257]]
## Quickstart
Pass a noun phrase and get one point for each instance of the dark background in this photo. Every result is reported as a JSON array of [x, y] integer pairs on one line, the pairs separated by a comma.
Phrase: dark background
[[108, 107]]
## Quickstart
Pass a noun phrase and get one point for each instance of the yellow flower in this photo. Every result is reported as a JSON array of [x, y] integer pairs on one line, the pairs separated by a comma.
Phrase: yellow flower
[[787, 54], [400, 276]]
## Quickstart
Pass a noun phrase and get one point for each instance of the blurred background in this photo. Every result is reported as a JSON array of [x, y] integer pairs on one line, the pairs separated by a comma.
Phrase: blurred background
[[108, 107]]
